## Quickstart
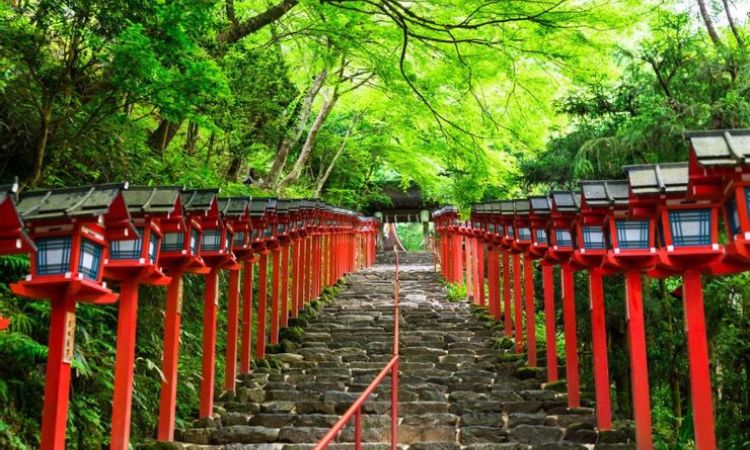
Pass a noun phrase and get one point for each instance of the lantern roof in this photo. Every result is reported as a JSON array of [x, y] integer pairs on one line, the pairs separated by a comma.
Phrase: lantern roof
[[199, 200], [494, 207], [445, 210], [479, 208], [721, 147], [282, 206], [259, 206], [294, 205], [507, 207], [153, 200], [234, 206], [605, 192], [540, 204], [566, 201], [522, 206], [72, 202], [651, 179]]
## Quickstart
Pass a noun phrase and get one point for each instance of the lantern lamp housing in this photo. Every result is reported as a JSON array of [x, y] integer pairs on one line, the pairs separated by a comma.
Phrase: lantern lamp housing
[[139, 258], [598, 199], [539, 214], [236, 214], [719, 171], [507, 213], [521, 225], [72, 229], [688, 228]]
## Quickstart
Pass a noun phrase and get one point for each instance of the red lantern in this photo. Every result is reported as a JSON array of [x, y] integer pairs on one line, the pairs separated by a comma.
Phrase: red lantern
[[134, 262], [236, 214], [688, 222], [565, 208], [632, 235], [71, 229], [597, 199], [262, 213]]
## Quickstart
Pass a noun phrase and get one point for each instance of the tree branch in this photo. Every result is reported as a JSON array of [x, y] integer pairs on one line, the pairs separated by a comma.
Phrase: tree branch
[[239, 30]]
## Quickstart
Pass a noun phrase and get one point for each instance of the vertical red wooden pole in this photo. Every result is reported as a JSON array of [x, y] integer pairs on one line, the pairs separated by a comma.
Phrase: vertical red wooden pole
[[445, 263], [528, 278], [471, 268], [275, 280], [314, 267], [480, 272], [599, 348], [233, 316], [295, 278], [506, 293], [638, 360], [698, 362], [548, 281], [458, 259], [317, 266], [168, 393], [57, 377], [260, 334], [122, 400], [247, 317], [571, 343], [494, 282], [308, 270], [517, 302], [208, 368], [302, 273], [285, 286]]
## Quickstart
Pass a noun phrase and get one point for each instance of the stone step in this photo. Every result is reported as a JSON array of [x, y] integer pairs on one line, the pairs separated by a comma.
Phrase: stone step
[[457, 388]]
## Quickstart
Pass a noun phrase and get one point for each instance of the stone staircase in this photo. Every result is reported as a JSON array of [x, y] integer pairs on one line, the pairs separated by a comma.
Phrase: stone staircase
[[458, 388]]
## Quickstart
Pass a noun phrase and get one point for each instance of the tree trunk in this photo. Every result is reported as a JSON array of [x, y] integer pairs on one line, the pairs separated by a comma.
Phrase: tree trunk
[[324, 177], [289, 140], [307, 147], [161, 137], [708, 22], [733, 24], [235, 164], [191, 139], [41, 148]]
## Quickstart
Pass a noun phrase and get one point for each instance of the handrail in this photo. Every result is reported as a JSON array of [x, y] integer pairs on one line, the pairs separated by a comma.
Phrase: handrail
[[355, 410]]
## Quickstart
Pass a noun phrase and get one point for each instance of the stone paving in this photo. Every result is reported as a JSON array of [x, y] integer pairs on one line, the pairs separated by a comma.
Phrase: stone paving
[[458, 388]]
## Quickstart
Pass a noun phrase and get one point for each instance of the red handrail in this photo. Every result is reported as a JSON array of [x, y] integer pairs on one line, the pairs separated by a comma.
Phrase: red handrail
[[356, 409]]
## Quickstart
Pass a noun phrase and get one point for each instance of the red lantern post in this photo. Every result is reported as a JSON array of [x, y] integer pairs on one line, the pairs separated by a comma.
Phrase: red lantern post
[[494, 243], [565, 207], [519, 246], [539, 217], [71, 229], [179, 254], [280, 302], [132, 263], [262, 211], [236, 214], [688, 215], [507, 211], [216, 250], [478, 237], [632, 249], [597, 199]]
